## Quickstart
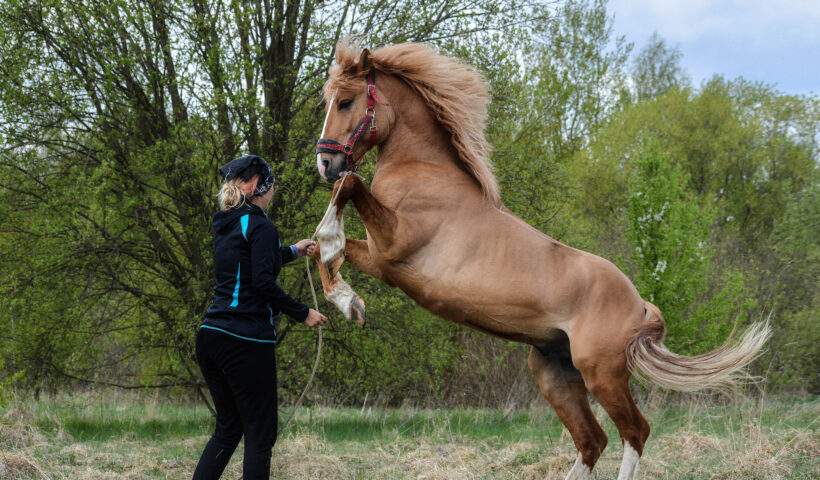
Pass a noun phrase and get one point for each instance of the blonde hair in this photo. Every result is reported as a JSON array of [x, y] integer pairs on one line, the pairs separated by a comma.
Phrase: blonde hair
[[230, 196]]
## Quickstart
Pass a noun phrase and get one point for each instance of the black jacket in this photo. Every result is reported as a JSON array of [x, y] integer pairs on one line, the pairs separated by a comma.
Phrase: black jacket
[[247, 260]]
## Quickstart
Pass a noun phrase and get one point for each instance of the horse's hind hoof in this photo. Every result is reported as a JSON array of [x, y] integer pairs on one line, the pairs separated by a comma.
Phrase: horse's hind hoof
[[357, 310]]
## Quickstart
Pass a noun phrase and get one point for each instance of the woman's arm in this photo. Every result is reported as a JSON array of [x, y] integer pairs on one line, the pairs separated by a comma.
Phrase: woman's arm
[[266, 262], [300, 248]]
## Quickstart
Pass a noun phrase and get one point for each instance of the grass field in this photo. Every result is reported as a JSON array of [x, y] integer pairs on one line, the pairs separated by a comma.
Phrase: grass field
[[113, 436]]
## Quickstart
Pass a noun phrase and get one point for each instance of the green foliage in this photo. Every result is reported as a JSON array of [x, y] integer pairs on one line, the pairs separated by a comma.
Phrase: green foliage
[[746, 152], [717, 313], [114, 119], [669, 233], [744, 147], [795, 355], [545, 110], [656, 69], [7, 385]]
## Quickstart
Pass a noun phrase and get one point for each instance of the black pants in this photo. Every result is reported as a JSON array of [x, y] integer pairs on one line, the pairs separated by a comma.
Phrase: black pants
[[241, 375]]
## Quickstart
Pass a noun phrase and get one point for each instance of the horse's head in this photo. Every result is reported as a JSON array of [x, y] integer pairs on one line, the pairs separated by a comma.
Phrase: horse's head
[[356, 120], [432, 95]]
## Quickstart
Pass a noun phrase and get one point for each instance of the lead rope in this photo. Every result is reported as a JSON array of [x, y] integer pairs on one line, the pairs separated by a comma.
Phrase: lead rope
[[315, 307]]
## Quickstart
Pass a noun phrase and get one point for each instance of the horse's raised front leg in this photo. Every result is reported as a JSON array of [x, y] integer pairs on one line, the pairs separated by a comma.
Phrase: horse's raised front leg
[[330, 256], [381, 222], [331, 238], [334, 248], [339, 292], [335, 288]]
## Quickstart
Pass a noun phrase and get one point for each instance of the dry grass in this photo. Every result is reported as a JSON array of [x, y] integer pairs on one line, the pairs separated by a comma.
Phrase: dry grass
[[81, 440], [13, 467]]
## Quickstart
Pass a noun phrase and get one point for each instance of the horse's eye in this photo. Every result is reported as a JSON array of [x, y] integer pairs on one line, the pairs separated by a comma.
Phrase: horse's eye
[[344, 104]]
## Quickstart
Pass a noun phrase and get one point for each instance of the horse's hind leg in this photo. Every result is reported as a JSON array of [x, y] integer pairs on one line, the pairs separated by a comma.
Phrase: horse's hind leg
[[564, 388], [608, 380]]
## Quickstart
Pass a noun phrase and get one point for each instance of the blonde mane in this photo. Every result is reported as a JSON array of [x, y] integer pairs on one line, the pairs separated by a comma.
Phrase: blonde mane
[[456, 93]]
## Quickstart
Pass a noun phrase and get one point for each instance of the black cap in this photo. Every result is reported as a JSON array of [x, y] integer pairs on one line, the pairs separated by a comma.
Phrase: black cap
[[245, 168]]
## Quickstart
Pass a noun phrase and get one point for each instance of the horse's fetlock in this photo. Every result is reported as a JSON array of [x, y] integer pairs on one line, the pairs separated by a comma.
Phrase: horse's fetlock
[[602, 442], [334, 265], [644, 431], [591, 448]]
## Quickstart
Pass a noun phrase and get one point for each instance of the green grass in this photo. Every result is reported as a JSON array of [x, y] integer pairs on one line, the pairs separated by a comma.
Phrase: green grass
[[382, 425], [95, 436]]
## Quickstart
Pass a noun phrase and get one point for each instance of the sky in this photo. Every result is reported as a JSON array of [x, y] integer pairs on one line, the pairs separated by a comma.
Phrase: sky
[[774, 41]]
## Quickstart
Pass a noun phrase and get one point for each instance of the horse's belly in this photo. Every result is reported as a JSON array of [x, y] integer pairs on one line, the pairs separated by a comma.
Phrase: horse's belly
[[498, 275], [509, 308]]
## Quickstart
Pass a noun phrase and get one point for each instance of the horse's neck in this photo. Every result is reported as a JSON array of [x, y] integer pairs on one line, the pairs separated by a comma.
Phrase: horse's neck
[[432, 148], [418, 138]]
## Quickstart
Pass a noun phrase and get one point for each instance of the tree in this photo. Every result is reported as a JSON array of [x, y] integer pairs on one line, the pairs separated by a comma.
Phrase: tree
[[742, 145], [567, 86], [656, 69], [745, 151], [669, 232], [113, 120], [795, 350]]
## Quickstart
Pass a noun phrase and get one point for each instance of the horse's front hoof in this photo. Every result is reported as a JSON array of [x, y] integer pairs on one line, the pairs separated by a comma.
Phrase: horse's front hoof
[[357, 310]]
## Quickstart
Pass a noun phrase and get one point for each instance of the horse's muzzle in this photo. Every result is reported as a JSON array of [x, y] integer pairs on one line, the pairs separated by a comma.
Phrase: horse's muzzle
[[331, 165]]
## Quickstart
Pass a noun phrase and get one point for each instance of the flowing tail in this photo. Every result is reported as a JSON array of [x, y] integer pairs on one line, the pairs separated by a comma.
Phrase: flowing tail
[[721, 369]]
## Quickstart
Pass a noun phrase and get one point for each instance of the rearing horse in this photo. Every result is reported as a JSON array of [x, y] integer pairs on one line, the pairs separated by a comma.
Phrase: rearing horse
[[436, 229]]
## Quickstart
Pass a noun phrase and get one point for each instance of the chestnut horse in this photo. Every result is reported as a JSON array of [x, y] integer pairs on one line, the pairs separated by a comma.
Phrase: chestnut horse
[[437, 229]]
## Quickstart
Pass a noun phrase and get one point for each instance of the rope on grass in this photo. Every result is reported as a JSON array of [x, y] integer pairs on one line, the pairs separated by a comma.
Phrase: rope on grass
[[316, 307]]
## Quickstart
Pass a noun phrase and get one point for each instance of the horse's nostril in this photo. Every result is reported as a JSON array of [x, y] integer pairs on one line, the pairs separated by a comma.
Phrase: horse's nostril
[[325, 163]]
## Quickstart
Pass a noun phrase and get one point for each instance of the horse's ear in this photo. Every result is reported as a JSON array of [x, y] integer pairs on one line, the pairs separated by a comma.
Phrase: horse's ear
[[365, 62]]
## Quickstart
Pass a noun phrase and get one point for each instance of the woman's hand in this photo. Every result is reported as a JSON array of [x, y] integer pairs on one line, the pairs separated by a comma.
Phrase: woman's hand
[[305, 246], [315, 319]]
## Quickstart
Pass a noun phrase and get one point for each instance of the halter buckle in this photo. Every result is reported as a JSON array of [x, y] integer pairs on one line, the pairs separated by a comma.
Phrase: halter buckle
[[371, 112]]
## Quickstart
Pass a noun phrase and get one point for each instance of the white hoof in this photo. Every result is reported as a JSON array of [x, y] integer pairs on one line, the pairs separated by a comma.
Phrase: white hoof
[[346, 300]]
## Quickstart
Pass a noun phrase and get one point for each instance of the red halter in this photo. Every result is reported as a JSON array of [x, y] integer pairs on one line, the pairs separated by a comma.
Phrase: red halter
[[326, 145]]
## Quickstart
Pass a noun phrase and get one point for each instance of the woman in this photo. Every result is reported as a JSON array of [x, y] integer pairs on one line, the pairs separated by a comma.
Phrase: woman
[[235, 345]]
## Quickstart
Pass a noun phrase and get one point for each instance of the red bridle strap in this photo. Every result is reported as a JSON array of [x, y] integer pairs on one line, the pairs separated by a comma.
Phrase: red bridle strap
[[326, 145]]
